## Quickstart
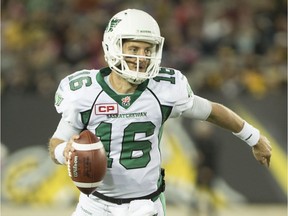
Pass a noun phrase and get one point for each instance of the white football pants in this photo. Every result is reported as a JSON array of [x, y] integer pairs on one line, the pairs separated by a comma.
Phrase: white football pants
[[93, 206]]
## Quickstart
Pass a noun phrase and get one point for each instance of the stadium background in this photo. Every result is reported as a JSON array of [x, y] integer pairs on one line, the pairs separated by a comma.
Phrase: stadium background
[[233, 52]]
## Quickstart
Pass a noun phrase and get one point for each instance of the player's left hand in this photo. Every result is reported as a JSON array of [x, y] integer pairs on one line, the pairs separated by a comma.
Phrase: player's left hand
[[262, 151]]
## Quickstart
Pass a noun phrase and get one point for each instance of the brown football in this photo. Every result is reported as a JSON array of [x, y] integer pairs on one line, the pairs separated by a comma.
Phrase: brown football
[[87, 164]]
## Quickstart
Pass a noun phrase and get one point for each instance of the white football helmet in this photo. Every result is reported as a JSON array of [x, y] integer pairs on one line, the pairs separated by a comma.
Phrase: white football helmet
[[135, 25]]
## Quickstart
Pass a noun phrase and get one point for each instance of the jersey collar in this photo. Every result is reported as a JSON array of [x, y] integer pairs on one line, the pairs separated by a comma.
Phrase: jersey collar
[[124, 100]]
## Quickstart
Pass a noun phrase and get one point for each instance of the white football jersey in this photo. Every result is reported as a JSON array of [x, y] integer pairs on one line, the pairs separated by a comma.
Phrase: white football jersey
[[129, 125]]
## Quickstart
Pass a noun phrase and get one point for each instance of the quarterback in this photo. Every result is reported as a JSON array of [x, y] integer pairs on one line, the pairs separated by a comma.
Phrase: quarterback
[[126, 106]]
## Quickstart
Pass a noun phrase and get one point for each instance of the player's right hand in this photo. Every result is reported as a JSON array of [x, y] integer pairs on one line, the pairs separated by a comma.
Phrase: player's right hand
[[69, 148]]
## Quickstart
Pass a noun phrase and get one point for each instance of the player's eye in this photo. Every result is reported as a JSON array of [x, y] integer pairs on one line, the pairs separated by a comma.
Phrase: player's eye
[[148, 52], [133, 50], [138, 51]]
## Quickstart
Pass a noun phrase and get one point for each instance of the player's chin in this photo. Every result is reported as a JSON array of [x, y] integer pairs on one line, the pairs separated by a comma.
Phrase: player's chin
[[135, 69], [141, 68]]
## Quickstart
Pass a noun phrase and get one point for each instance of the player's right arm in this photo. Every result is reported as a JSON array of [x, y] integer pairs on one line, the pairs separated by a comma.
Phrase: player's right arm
[[68, 103], [60, 144], [53, 143]]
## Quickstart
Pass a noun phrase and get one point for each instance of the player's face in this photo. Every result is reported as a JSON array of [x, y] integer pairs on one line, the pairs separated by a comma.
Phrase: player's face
[[138, 48]]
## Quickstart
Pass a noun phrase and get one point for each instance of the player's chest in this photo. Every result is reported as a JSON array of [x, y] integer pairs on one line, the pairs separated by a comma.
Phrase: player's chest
[[125, 109]]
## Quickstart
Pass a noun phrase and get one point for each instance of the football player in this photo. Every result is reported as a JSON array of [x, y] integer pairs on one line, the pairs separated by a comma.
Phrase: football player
[[126, 106]]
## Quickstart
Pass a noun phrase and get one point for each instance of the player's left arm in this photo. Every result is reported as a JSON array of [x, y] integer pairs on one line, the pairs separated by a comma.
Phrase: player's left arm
[[196, 107], [227, 119]]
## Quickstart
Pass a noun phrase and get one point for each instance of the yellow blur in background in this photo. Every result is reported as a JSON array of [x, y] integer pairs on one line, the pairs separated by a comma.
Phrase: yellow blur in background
[[31, 184]]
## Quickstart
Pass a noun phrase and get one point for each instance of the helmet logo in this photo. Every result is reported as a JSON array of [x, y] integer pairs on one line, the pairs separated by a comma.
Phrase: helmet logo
[[113, 23]]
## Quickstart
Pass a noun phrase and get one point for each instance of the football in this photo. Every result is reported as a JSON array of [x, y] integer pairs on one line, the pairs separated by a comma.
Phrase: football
[[88, 163]]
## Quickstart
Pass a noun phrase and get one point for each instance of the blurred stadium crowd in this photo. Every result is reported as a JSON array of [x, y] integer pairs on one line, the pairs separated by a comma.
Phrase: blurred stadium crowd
[[231, 46]]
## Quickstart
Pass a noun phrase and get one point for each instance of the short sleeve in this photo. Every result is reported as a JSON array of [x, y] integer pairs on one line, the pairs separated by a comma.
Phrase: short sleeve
[[66, 104], [75, 95], [184, 96]]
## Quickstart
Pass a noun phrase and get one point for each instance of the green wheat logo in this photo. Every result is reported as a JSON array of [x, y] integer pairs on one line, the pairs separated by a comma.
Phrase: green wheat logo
[[113, 23]]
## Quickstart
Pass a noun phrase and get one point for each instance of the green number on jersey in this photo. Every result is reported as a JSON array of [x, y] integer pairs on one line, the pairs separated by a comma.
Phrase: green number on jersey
[[104, 132], [77, 83], [170, 79], [134, 153], [131, 146]]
